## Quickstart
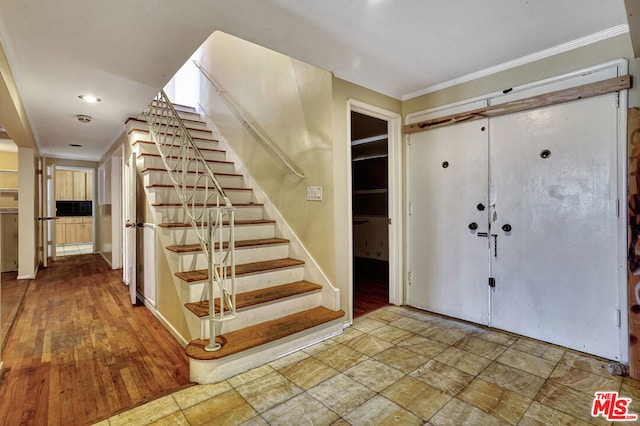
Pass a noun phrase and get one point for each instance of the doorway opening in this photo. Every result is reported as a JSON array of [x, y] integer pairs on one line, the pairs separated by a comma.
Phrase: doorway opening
[[370, 212], [74, 211]]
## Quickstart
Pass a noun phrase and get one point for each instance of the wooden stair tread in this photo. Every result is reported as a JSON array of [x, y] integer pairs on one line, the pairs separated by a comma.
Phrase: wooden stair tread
[[201, 149], [166, 185], [243, 269], [237, 222], [257, 297], [260, 334], [194, 248], [194, 138], [169, 125], [148, 154], [192, 120], [160, 169], [156, 102]]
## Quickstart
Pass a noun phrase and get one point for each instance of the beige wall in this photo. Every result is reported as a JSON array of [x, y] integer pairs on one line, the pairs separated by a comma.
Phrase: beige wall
[[343, 91], [583, 57], [13, 116], [292, 102]]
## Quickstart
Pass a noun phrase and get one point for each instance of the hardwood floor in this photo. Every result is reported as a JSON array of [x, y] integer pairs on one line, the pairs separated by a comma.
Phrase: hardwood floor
[[11, 295], [370, 285], [79, 352]]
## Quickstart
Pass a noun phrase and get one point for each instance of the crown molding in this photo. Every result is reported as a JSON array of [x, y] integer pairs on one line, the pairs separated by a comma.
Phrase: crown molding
[[561, 48]]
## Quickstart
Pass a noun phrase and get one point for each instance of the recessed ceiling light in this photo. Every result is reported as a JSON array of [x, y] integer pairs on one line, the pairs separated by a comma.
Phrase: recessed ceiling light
[[89, 98], [75, 145]]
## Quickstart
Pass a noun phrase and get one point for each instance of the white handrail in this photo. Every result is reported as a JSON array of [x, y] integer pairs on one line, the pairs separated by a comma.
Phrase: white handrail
[[243, 117]]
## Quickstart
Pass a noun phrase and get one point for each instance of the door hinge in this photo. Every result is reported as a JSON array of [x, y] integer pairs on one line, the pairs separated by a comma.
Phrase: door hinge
[[409, 277], [409, 208], [492, 282], [389, 221], [618, 207], [617, 100], [618, 318]]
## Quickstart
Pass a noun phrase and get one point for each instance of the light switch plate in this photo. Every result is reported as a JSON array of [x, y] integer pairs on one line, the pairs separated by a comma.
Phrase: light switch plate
[[314, 193]]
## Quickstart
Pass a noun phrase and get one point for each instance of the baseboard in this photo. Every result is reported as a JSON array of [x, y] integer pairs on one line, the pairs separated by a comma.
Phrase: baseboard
[[106, 260], [26, 277], [181, 340]]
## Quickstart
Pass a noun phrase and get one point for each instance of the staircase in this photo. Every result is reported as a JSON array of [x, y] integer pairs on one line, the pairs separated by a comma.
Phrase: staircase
[[278, 308]]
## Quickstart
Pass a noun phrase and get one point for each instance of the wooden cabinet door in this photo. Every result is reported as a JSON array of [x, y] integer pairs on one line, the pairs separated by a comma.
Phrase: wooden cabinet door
[[86, 234], [79, 185], [61, 237], [88, 184], [64, 185]]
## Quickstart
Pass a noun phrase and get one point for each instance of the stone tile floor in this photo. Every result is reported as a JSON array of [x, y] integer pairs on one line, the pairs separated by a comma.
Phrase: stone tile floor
[[402, 366]]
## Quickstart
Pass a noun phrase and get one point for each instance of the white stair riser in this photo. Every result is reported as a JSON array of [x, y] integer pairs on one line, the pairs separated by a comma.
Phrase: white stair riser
[[170, 195], [177, 215], [264, 312], [137, 134], [249, 282], [188, 123], [193, 261], [143, 126], [179, 108], [147, 148], [151, 177], [184, 236], [148, 161]]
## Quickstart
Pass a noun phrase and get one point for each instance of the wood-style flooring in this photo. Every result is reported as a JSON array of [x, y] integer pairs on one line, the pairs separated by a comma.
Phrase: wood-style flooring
[[12, 291], [370, 285], [79, 352]]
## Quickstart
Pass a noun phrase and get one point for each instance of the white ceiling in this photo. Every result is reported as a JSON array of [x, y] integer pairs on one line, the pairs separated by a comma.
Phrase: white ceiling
[[123, 51]]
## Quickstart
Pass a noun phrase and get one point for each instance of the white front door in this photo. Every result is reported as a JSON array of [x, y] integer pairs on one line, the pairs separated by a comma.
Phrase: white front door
[[548, 182], [130, 223], [448, 221], [554, 185]]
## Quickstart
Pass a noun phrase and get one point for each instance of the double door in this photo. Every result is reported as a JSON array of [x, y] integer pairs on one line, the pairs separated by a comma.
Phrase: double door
[[514, 224]]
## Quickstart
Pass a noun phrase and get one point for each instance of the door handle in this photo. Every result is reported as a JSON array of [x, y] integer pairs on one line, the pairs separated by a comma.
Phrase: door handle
[[506, 227], [473, 226]]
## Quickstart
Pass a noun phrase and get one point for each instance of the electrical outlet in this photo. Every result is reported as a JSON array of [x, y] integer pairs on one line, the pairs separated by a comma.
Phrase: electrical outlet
[[314, 193]]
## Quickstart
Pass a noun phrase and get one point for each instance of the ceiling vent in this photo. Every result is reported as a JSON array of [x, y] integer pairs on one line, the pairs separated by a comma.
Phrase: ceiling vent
[[84, 118]]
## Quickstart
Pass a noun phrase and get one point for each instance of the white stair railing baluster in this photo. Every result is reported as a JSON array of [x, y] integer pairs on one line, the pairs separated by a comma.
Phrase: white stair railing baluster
[[206, 213]]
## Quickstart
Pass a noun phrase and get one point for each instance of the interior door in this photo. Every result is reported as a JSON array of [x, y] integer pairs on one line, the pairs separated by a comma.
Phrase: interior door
[[448, 244], [554, 185], [130, 230]]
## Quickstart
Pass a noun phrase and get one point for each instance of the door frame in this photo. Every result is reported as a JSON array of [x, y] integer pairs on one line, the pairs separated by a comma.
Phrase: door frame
[[59, 165], [395, 175], [129, 220], [567, 80]]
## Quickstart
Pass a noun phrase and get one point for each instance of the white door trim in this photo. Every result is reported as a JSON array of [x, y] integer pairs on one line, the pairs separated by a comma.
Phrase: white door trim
[[395, 176]]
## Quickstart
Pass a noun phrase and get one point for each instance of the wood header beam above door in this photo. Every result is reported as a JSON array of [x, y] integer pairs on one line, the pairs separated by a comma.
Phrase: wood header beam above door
[[553, 98]]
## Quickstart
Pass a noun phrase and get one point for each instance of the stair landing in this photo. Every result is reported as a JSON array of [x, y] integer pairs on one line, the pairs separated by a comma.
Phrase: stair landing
[[260, 334]]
